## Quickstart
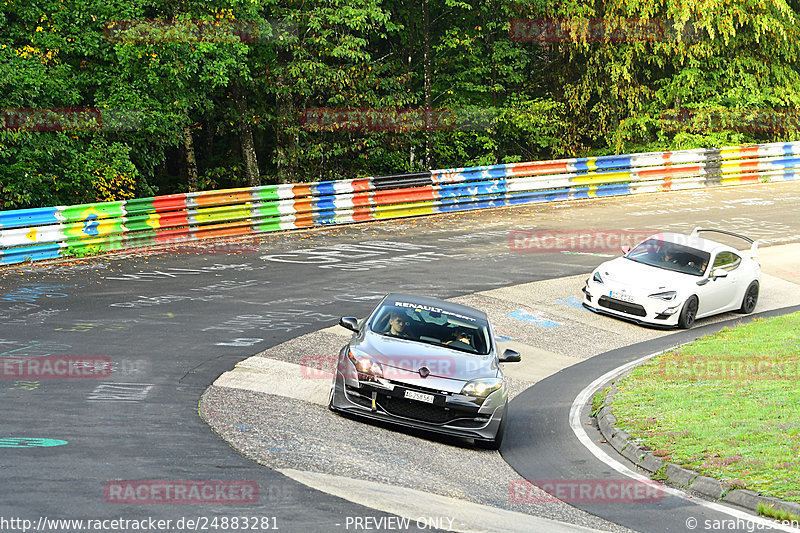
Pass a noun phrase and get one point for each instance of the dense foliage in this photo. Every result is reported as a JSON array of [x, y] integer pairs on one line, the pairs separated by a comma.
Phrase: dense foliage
[[113, 100]]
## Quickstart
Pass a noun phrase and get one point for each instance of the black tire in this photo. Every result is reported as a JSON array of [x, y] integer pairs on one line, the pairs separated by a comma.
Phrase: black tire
[[750, 299], [688, 313], [495, 443]]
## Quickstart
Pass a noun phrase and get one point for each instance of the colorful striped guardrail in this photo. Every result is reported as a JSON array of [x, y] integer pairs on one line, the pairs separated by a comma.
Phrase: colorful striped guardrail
[[52, 232]]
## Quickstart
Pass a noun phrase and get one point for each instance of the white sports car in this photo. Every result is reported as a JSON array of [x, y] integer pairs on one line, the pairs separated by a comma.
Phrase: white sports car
[[671, 279]]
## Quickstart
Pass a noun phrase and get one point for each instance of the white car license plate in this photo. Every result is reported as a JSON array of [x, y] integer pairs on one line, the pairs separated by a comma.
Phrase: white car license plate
[[621, 296], [414, 395]]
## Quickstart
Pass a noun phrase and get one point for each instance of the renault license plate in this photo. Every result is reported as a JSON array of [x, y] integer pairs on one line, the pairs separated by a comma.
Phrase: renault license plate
[[419, 396]]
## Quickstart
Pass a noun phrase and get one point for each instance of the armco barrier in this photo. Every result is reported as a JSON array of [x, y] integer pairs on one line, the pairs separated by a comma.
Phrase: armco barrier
[[52, 232]]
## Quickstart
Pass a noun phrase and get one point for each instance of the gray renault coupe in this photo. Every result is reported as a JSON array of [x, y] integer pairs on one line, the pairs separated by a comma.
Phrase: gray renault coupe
[[427, 364]]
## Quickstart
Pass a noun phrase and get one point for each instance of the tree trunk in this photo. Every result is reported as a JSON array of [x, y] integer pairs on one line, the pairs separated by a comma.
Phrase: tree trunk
[[246, 137], [210, 133], [286, 159], [191, 160], [428, 77]]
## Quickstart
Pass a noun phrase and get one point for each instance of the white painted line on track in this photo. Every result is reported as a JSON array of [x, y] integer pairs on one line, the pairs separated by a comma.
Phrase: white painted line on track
[[580, 432], [280, 378], [461, 516]]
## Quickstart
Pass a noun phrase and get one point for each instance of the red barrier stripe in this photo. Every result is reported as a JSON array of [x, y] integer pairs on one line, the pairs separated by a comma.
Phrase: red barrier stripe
[[401, 196], [362, 207], [362, 185], [746, 165], [172, 235], [361, 199], [748, 150], [173, 219], [536, 168], [172, 202], [670, 172]]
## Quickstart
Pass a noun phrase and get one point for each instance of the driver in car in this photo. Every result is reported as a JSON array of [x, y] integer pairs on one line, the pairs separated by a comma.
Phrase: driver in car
[[397, 324], [670, 256]]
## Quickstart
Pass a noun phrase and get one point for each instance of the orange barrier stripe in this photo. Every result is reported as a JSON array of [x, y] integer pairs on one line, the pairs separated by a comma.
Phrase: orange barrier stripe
[[303, 205], [223, 230], [301, 190], [304, 220], [230, 196]]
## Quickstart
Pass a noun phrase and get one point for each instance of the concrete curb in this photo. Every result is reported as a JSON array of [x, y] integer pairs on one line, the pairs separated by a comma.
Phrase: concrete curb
[[689, 480]]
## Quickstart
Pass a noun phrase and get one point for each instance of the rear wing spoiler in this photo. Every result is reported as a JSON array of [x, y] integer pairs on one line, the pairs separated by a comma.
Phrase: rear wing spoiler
[[753, 244]]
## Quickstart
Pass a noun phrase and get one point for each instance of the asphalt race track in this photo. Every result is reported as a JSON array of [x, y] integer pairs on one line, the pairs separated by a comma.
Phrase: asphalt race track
[[541, 444], [171, 320]]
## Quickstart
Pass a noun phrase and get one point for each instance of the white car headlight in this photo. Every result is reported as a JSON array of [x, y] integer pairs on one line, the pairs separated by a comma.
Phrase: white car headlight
[[666, 296], [596, 277], [482, 387]]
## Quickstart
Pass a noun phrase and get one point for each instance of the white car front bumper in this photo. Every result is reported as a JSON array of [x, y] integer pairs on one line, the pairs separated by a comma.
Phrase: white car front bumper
[[634, 307]]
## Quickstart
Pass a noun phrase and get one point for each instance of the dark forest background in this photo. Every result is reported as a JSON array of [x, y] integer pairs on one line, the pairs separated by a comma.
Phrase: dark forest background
[[143, 97]]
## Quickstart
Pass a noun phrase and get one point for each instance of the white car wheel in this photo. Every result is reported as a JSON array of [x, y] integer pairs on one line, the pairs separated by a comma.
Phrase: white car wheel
[[688, 313]]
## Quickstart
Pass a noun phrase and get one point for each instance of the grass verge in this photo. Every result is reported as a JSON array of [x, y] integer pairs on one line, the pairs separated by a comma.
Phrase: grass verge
[[726, 406]]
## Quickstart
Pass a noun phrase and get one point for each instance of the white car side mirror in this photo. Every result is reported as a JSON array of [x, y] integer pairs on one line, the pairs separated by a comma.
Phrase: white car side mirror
[[719, 273]]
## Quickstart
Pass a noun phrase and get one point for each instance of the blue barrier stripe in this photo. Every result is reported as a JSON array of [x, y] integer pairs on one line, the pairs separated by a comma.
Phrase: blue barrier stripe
[[474, 188], [785, 162], [21, 218], [325, 188], [466, 206], [613, 162], [325, 204], [612, 190], [30, 253], [327, 217], [471, 199]]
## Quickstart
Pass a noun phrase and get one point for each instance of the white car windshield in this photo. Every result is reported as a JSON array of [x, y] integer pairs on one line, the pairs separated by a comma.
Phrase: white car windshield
[[432, 326], [670, 256]]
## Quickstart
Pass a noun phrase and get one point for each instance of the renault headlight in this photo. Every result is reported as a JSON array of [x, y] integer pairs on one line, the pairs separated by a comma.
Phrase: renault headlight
[[596, 277], [482, 387], [365, 366]]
